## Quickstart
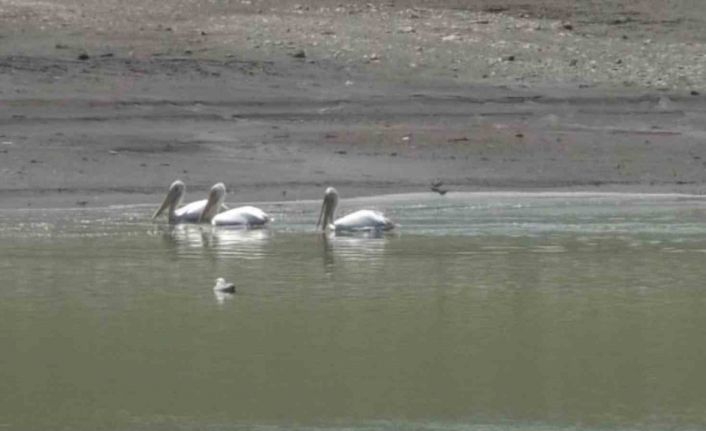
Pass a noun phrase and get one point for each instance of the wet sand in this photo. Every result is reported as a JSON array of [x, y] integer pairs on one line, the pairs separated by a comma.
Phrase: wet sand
[[107, 103]]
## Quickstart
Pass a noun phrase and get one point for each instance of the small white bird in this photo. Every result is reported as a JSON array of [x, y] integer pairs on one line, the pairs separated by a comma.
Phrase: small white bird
[[223, 286], [247, 216], [362, 220], [189, 213]]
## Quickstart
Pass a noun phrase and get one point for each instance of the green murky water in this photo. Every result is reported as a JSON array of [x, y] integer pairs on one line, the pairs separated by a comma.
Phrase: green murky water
[[486, 312]]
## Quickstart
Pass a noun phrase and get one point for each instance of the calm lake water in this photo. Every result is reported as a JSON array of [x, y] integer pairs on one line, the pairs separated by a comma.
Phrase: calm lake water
[[494, 311]]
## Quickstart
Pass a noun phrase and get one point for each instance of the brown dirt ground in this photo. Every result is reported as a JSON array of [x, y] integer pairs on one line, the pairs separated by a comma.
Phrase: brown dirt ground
[[106, 102]]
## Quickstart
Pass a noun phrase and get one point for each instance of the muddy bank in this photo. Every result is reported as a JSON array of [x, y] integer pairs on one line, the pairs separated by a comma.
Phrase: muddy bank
[[97, 109]]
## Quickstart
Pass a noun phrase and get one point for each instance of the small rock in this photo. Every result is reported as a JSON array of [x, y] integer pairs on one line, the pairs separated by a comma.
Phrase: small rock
[[299, 54], [61, 46], [618, 21], [567, 26], [573, 62], [451, 37], [83, 56], [510, 58], [694, 93], [436, 187]]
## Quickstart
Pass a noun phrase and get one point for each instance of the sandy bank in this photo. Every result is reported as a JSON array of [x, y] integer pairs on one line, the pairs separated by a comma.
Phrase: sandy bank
[[104, 103]]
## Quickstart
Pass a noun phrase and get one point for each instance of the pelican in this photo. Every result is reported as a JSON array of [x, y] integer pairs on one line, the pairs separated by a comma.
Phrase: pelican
[[362, 220], [247, 216], [189, 213]]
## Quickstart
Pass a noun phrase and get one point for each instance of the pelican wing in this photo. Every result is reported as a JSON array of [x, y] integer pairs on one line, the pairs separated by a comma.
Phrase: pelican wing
[[364, 220], [242, 216], [190, 212]]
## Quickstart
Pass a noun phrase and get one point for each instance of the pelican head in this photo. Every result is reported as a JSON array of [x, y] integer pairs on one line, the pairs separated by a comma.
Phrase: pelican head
[[216, 196], [328, 208], [172, 200]]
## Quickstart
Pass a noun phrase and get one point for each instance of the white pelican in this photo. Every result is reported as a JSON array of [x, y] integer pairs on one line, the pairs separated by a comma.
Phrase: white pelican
[[189, 213], [247, 216], [362, 220]]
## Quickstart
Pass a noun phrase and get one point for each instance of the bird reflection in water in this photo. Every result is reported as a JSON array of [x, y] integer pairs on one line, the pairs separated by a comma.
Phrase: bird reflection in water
[[192, 240], [184, 236], [366, 247], [243, 243]]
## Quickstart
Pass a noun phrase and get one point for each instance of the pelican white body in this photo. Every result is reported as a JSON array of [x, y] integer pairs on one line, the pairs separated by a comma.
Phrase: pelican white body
[[245, 216], [361, 220]]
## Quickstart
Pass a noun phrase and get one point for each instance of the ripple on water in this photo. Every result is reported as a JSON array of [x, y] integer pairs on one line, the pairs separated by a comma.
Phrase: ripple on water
[[457, 214], [477, 304]]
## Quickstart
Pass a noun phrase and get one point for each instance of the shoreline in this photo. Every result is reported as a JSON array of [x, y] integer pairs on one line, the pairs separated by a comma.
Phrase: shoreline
[[245, 100], [70, 201]]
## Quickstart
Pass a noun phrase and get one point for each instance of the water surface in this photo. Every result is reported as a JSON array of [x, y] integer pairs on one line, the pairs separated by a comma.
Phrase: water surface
[[486, 311]]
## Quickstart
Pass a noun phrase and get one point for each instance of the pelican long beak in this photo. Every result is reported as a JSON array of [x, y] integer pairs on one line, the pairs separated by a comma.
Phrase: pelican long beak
[[327, 209], [321, 216], [170, 199], [210, 210], [214, 203]]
